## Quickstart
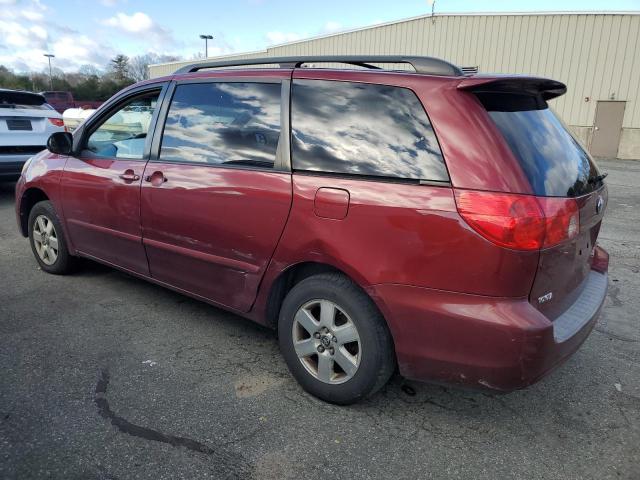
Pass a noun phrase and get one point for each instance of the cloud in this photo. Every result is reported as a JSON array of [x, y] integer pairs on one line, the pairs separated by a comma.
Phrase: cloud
[[137, 23], [39, 32], [277, 37], [331, 27], [27, 33], [79, 47], [142, 27], [16, 35], [32, 15]]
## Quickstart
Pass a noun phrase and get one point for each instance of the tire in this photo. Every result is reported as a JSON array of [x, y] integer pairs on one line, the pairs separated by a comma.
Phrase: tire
[[317, 361], [48, 243]]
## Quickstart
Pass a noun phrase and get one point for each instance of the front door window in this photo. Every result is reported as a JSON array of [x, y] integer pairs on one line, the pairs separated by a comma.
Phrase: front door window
[[124, 134]]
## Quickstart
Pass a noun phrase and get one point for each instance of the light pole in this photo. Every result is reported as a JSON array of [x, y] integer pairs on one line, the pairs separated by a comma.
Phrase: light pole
[[50, 56], [206, 39]]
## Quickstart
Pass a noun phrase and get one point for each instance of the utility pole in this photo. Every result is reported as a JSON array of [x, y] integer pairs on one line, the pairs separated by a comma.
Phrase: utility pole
[[206, 39], [50, 56]]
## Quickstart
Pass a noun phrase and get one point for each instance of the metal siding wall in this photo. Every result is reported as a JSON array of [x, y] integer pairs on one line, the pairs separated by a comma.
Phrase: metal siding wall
[[596, 55]]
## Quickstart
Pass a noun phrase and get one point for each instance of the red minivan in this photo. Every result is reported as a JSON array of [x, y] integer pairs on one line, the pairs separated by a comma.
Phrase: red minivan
[[437, 223]]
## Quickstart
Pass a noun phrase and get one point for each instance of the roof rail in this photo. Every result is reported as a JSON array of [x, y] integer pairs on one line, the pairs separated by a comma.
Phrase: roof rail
[[426, 65]]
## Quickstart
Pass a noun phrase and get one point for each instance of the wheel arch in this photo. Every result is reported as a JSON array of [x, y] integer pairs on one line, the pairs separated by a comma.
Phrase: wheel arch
[[29, 198], [294, 274], [286, 280]]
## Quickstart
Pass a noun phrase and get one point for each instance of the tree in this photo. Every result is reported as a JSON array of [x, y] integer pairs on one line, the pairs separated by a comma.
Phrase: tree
[[120, 68], [89, 70], [139, 65]]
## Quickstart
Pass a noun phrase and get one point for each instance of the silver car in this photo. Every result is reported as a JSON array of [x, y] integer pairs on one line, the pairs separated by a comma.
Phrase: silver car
[[26, 121]]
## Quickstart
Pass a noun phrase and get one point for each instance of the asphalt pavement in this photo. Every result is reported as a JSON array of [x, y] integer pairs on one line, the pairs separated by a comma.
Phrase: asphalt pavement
[[104, 376]]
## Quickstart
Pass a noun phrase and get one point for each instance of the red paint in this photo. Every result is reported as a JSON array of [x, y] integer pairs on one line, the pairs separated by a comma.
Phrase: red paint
[[212, 231], [461, 308], [563, 268], [102, 210], [331, 203]]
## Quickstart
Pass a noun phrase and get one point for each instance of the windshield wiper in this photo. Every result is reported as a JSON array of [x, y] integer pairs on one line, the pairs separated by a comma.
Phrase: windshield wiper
[[598, 178]]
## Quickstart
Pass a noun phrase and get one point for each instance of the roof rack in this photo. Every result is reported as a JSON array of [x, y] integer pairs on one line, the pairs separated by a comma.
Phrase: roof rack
[[426, 65]]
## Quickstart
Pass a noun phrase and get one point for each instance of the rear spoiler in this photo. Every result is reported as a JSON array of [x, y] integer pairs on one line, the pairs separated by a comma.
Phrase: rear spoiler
[[543, 87]]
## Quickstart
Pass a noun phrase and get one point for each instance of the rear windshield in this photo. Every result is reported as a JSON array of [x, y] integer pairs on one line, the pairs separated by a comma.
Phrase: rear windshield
[[554, 162], [22, 100]]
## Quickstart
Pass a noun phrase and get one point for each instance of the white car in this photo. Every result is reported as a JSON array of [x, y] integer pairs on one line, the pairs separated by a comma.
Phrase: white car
[[73, 117], [26, 121]]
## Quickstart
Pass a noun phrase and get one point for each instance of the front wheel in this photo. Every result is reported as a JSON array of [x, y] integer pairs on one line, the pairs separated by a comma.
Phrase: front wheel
[[334, 339], [47, 240]]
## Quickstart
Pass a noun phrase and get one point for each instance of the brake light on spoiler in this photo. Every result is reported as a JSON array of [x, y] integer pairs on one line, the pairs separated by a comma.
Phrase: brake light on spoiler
[[519, 222]]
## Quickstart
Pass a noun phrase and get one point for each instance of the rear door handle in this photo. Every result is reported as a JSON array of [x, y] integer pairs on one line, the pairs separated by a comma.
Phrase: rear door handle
[[156, 179], [129, 176]]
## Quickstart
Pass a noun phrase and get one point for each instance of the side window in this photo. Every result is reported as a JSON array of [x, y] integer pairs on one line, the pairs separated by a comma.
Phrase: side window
[[123, 134], [363, 129], [223, 124]]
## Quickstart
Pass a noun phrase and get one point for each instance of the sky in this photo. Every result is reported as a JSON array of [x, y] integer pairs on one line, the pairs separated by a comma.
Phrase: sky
[[92, 32]]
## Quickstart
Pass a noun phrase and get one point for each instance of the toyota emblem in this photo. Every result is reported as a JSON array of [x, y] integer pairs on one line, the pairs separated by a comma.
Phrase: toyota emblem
[[599, 204]]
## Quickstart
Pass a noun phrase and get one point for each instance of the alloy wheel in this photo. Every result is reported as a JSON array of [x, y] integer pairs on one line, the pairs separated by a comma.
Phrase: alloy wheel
[[45, 240], [326, 341]]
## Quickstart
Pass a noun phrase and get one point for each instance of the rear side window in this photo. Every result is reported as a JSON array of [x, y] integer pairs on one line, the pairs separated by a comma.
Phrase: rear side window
[[363, 129], [553, 161], [223, 124]]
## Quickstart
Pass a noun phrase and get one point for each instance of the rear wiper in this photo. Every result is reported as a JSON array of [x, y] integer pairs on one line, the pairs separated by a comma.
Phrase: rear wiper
[[598, 178]]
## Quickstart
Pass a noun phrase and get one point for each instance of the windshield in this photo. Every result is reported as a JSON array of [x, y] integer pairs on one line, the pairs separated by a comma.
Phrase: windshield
[[554, 162]]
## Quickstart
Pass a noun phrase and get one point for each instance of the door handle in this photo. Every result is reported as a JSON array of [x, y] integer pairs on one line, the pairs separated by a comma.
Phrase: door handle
[[156, 179], [129, 176]]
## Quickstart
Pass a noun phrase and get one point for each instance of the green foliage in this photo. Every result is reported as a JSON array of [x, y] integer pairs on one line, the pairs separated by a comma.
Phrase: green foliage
[[120, 67], [88, 84]]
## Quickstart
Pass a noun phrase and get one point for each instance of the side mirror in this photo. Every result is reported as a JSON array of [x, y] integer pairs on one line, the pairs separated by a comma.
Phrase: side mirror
[[60, 143]]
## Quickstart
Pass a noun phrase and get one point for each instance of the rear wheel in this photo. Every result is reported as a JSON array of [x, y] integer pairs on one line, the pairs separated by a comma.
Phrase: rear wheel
[[334, 339], [47, 239]]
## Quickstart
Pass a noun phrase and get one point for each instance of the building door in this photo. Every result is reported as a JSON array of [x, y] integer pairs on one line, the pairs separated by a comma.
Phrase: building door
[[607, 129]]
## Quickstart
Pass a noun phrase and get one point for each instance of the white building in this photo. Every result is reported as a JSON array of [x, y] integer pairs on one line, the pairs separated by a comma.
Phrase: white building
[[596, 54]]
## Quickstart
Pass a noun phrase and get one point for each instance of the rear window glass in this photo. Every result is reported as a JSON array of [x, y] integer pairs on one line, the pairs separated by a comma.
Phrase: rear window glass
[[363, 129], [554, 162], [22, 100]]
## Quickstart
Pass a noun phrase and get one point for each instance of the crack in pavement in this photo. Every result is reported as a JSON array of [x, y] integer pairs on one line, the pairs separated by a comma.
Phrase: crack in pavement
[[125, 426], [234, 464]]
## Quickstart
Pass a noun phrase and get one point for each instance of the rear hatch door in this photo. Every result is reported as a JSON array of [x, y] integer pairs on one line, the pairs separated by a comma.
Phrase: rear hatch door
[[556, 165], [24, 118], [563, 269]]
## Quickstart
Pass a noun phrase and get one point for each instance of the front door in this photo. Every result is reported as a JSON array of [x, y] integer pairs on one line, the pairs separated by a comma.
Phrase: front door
[[101, 185], [215, 201], [607, 129]]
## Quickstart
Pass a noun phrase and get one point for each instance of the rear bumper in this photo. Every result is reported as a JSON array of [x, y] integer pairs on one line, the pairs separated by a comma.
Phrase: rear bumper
[[484, 342]]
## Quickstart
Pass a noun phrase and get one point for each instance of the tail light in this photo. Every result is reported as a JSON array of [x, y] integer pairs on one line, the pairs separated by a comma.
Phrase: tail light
[[58, 122], [519, 222]]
